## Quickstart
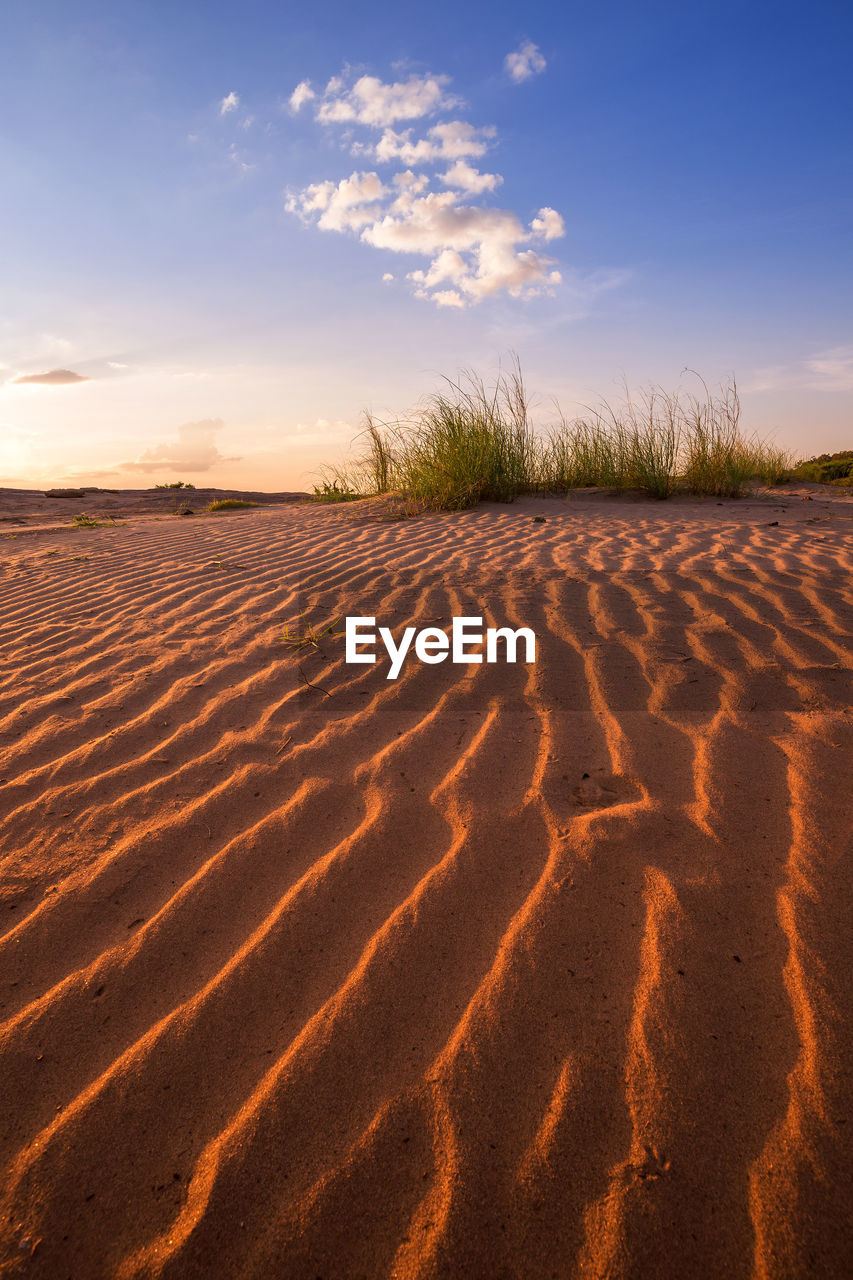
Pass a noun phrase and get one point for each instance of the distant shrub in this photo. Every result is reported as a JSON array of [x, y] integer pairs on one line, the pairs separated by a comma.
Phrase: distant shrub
[[827, 468], [177, 484]]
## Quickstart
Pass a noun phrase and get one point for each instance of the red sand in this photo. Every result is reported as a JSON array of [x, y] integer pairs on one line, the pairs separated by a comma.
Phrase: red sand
[[498, 971]]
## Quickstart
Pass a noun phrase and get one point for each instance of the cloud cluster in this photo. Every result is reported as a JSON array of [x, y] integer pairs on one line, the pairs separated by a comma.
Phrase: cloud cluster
[[829, 370], [474, 252], [54, 378], [372, 102], [525, 62], [453, 140], [194, 450], [426, 208]]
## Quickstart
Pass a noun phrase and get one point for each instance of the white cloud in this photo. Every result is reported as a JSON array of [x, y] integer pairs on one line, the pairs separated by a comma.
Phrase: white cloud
[[387, 278], [447, 298], [229, 103], [435, 221], [452, 140], [347, 205], [525, 62], [471, 252], [457, 139], [465, 178], [548, 224], [194, 450], [301, 94], [834, 369], [370, 101], [478, 252]]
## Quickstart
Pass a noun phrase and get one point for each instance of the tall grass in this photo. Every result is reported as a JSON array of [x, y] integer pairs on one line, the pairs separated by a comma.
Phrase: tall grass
[[470, 442]]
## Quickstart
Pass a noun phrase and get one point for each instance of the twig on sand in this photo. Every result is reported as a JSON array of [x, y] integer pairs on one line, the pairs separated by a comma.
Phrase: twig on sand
[[284, 744], [319, 687]]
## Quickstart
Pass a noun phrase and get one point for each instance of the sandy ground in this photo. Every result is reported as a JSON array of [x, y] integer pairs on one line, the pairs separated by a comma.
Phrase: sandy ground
[[56, 508], [498, 971]]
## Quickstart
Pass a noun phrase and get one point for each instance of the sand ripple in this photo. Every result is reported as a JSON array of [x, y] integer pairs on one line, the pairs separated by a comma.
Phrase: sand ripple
[[534, 971]]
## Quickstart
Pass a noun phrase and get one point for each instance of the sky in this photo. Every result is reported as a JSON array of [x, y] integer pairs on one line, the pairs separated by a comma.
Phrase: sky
[[227, 231]]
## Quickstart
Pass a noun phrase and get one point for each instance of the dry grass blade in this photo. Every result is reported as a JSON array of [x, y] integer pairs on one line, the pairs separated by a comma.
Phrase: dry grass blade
[[311, 684]]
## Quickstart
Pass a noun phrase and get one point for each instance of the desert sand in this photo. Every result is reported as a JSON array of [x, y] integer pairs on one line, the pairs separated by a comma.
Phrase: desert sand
[[501, 971]]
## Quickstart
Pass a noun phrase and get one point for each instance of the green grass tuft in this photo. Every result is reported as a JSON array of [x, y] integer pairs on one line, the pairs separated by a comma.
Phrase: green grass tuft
[[310, 636], [471, 442], [334, 492]]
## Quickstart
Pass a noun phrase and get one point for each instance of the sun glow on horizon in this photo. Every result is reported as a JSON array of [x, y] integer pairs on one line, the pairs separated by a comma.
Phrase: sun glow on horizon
[[259, 241]]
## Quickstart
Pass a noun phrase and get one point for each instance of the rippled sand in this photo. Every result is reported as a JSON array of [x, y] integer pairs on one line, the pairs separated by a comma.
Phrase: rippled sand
[[498, 971]]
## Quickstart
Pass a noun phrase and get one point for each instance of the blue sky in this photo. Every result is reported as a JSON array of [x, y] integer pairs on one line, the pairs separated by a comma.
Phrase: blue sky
[[233, 273]]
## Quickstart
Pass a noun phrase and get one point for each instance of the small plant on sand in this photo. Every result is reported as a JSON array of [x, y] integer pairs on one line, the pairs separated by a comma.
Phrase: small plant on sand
[[310, 636], [83, 521], [336, 491], [231, 504]]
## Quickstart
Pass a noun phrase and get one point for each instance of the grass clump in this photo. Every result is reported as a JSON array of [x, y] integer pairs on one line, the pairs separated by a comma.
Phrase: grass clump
[[334, 492], [461, 445], [231, 504], [632, 445], [467, 444], [471, 442], [717, 460], [83, 521]]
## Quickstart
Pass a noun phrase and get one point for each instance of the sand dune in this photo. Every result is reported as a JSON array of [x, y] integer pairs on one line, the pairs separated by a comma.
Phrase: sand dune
[[498, 971]]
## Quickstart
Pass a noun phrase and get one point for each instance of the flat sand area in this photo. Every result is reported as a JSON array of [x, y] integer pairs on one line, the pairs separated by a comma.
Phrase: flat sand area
[[485, 972]]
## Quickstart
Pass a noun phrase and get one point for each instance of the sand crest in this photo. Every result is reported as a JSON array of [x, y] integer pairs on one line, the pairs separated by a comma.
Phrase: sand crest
[[497, 971]]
